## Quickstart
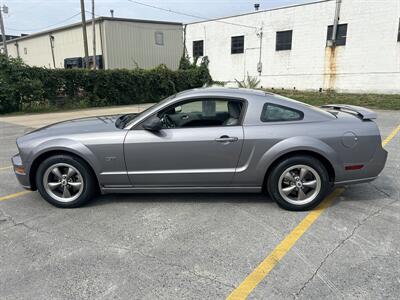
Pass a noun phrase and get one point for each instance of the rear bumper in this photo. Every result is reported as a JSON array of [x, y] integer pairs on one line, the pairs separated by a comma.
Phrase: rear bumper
[[369, 172], [21, 175]]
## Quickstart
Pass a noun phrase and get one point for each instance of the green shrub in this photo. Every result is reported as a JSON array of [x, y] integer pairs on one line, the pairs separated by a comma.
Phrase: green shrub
[[24, 88]]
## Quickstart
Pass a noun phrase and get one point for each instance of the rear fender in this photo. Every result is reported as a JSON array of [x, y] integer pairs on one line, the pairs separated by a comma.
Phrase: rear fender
[[293, 144]]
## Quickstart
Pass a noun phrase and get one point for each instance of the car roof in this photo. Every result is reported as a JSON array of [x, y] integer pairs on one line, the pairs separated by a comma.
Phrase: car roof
[[218, 90], [257, 95]]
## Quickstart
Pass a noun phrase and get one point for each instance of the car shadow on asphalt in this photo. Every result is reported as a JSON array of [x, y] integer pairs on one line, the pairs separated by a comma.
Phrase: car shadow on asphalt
[[232, 198], [353, 193]]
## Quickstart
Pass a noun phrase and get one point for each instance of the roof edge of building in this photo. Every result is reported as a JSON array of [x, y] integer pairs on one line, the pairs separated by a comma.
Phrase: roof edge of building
[[97, 20], [260, 11]]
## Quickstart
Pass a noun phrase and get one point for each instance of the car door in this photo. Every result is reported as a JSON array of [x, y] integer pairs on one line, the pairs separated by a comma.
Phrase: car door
[[191, 154]]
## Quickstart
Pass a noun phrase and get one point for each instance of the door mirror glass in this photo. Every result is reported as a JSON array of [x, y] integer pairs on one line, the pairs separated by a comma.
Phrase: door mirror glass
[[152, 124], [178, 109]]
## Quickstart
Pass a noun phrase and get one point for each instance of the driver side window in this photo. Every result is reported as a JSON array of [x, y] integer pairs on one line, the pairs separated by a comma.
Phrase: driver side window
[[202, 113]]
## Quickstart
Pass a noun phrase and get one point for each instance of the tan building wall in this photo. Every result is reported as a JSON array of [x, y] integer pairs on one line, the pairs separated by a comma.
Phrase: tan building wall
[[130, 44], [124, 43], [36, 49]]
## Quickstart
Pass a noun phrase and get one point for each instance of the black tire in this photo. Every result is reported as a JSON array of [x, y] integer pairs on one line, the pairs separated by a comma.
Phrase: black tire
[[88, 191], [278, 171]]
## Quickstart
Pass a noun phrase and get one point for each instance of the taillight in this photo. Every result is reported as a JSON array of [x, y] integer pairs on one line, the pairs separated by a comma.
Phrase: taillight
[[353, 167]]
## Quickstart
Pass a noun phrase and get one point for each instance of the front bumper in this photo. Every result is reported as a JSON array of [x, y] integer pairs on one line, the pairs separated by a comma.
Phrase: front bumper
[[20, 172]]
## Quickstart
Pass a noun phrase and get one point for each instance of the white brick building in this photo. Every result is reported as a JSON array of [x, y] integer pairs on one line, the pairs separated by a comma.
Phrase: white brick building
[[294, 52]]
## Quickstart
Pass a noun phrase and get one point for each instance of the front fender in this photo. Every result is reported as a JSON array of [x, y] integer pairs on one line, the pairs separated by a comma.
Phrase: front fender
[[63, 144]]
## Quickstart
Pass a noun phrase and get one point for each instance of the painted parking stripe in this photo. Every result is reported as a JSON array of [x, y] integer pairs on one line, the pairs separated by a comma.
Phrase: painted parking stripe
[[265, 267], [15, 195], [5, 168], [391, 136], [262, 270]]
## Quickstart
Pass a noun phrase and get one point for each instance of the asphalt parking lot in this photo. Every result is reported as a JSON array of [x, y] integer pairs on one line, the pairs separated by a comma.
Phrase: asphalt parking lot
[[192, 246]]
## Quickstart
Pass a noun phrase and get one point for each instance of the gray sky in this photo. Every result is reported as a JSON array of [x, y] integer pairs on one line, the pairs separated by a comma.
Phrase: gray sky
[[28, 16]]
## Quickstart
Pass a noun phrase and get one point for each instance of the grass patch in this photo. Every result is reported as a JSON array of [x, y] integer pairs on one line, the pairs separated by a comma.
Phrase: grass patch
[[377, 101]]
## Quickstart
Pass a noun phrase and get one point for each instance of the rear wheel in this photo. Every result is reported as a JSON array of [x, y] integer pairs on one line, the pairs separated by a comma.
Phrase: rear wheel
[[298, 183], [65, 181]]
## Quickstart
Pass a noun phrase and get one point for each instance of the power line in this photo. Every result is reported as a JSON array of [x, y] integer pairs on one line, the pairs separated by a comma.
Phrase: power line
[[143, 27], [45, 27], [190, 15]]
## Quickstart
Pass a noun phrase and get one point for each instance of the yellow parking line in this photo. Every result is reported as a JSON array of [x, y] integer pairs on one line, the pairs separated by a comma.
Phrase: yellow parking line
[[265, 267], [259, 273], [3, 198], [391, 136], [6, 168]]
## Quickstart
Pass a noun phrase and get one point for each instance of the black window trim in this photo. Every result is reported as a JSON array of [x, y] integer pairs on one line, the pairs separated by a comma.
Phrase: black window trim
[[329, 36], [243, 113], [202, 48], [291, 40], [234, 37], [280, 120]]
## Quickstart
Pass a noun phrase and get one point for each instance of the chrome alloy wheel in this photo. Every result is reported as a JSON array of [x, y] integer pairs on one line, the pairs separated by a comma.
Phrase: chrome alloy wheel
[[63, 182], [299, 184]]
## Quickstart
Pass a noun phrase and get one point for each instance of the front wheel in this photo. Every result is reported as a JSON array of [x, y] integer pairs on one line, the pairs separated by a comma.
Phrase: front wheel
[[298, 183], [65, 181]]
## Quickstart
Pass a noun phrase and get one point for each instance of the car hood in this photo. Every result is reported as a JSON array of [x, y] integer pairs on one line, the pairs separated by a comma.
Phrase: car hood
[[76, 126]]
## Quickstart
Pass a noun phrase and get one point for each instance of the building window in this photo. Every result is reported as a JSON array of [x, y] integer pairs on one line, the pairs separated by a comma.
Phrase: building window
[[237, 44], [25, 51], [341, 34], [159, 37], [284, 40], [198, 48], [278, 113]]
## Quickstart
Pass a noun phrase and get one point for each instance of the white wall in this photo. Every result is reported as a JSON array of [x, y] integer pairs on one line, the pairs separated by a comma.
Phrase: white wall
[[369, 62]]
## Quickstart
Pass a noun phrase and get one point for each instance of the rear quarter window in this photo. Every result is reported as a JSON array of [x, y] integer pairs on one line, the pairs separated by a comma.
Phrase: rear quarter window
[[278, 113]]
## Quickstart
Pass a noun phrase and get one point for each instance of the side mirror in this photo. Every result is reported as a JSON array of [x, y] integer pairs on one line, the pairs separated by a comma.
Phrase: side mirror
[[152, 124]]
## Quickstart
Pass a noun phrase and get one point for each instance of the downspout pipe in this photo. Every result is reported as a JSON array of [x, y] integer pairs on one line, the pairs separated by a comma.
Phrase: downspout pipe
[[51, 38], [185, 53], [336, 21], [17, 48], [259, 64]]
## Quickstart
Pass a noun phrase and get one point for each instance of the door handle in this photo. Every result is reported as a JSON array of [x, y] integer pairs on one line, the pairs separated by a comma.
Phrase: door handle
[[226, 139], [185, 117]]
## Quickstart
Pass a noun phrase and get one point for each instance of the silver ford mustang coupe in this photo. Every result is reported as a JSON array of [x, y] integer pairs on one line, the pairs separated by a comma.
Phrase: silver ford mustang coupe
[[206, 140]]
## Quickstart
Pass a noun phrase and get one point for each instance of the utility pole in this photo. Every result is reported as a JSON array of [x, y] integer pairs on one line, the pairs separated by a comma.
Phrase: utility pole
[[85, 44], [3, 33], [94, 37]]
